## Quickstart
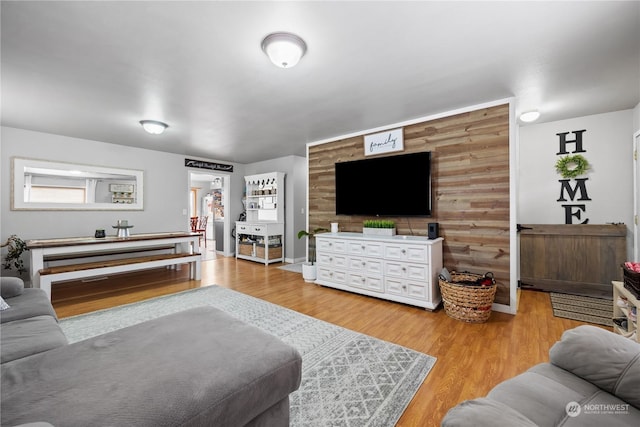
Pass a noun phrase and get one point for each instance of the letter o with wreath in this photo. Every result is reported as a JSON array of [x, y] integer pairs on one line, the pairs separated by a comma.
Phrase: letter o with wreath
[[572, 166]]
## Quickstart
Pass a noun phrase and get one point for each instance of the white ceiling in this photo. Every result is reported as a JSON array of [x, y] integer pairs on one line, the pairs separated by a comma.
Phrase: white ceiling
[[94, 69]]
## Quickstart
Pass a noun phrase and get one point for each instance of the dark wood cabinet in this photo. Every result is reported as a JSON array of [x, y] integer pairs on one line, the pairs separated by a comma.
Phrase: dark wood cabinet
[[579, 259]]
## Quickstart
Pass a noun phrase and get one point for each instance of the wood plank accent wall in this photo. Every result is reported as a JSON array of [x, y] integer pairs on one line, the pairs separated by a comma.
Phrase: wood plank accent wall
[[470, 184]]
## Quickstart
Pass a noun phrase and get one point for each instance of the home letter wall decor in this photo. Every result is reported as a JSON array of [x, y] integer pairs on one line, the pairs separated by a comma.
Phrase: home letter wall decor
[[571, 166]]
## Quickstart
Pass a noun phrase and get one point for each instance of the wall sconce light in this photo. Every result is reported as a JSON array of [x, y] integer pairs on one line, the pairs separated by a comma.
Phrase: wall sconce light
[[530, 116], [284, 49], [153, 127]]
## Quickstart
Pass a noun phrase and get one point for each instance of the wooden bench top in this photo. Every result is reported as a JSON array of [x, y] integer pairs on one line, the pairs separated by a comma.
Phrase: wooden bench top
[[62, 257], [111, 263], [75, 241]]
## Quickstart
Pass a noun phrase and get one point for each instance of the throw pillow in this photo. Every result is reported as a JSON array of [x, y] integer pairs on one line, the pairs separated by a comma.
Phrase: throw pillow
[[11, 286], [3, 304]]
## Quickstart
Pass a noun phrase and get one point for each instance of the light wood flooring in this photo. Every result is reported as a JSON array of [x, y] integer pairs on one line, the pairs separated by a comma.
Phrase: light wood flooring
[[472, 358]]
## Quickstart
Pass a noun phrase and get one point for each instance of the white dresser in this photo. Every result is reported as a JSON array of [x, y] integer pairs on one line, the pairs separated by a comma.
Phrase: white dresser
[[397, 268]]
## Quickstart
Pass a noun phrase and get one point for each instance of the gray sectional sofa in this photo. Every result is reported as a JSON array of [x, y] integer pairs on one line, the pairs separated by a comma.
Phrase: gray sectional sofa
[[593, 379], [199, 367]]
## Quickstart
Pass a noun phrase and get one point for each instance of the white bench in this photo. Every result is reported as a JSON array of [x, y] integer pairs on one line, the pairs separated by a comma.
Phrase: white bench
[[91, 269]]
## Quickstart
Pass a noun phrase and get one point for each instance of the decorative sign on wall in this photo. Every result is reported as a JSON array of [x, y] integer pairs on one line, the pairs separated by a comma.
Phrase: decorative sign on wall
[[570, 167], [207, 165], [384, 142]]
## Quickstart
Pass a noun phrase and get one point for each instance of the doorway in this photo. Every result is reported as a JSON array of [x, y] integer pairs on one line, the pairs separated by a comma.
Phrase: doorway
[[207, 205]]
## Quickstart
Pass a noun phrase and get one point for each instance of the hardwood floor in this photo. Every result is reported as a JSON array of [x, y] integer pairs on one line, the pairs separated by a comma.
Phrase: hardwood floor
[[472, 358]]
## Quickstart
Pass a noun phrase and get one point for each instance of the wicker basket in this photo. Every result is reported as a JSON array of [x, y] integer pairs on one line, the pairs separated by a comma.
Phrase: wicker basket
[[467, 303]]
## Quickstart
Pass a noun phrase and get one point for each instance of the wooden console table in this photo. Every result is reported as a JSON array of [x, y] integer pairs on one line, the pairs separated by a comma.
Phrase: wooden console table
[[579, 259], [78, 247]]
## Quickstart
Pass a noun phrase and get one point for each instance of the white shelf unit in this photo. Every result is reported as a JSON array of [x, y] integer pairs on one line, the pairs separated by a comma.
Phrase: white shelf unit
[[620, 290], [396, 268], [260, 237]]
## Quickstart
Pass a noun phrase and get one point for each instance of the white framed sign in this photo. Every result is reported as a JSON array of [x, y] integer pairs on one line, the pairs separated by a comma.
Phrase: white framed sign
[[384, 142]]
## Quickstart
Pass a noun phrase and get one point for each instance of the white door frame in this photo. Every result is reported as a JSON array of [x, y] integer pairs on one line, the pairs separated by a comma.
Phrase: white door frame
[[636, 197], [226, 186]]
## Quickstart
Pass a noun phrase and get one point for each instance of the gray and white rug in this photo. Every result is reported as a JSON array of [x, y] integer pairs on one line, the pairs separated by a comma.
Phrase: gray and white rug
[[348, 379], [296, 268]]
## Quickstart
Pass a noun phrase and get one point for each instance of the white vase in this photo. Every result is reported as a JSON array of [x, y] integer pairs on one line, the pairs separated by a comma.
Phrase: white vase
[[309, 272]]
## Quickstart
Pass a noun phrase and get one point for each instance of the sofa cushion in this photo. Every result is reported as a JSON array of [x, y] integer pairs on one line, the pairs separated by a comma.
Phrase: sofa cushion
[[25, 337], [11, 286], [31, 303], [543, 392], [196, 367], [484, 412], [605, 359]]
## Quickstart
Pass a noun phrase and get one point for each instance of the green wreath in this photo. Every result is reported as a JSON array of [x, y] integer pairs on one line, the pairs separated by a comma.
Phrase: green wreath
[[572, 166]]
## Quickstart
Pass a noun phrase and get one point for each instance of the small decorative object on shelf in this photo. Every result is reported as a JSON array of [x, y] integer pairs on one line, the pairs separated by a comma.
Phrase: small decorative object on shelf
[[123, 227], [13, 259], [631, 273], [468, 297], [379, 227], [625, 311]]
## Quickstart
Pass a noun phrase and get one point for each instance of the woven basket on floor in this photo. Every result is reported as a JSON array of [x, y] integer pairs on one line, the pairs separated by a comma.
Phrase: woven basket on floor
[[467, 303]]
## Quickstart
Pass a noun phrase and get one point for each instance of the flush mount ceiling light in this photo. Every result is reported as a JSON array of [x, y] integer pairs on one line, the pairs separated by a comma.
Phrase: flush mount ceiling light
[[153, 127], [284, 49], [530, 116]]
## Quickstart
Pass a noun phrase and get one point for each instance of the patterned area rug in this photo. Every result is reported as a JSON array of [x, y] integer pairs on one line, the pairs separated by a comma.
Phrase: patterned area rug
[[296, 268], [585, 309], [348, 379]]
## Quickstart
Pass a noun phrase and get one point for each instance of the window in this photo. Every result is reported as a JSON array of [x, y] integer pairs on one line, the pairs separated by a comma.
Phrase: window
[[42, 194]]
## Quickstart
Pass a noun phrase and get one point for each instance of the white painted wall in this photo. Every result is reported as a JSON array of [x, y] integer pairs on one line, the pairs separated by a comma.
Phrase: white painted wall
[[295, 168], [166, 187], [608, 143]]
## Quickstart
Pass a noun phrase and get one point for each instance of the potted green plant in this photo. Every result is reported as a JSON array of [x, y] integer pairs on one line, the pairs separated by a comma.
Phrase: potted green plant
[[380, 227], [309, 273], [13, 259]]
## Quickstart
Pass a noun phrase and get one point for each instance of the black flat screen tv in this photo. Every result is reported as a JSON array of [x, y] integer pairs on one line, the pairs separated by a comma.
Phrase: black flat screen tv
[[397, 185]]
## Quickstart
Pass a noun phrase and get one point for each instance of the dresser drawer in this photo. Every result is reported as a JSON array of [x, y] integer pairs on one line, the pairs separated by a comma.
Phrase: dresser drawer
[[330, 275], [331, 245], [366, 265], [366, 282], [403, 252], [372, 249], [406, 288], [259, 229], [407, 270], [329, 259]]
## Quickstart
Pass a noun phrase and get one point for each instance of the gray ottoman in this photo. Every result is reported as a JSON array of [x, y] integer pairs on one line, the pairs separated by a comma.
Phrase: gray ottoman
[[199, 367]]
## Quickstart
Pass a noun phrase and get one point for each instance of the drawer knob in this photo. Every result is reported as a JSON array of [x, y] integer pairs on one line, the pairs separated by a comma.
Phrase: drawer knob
[[363, 247], [364, 263], [403, 251], [404, 269], [404, 287], [363, 280]]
